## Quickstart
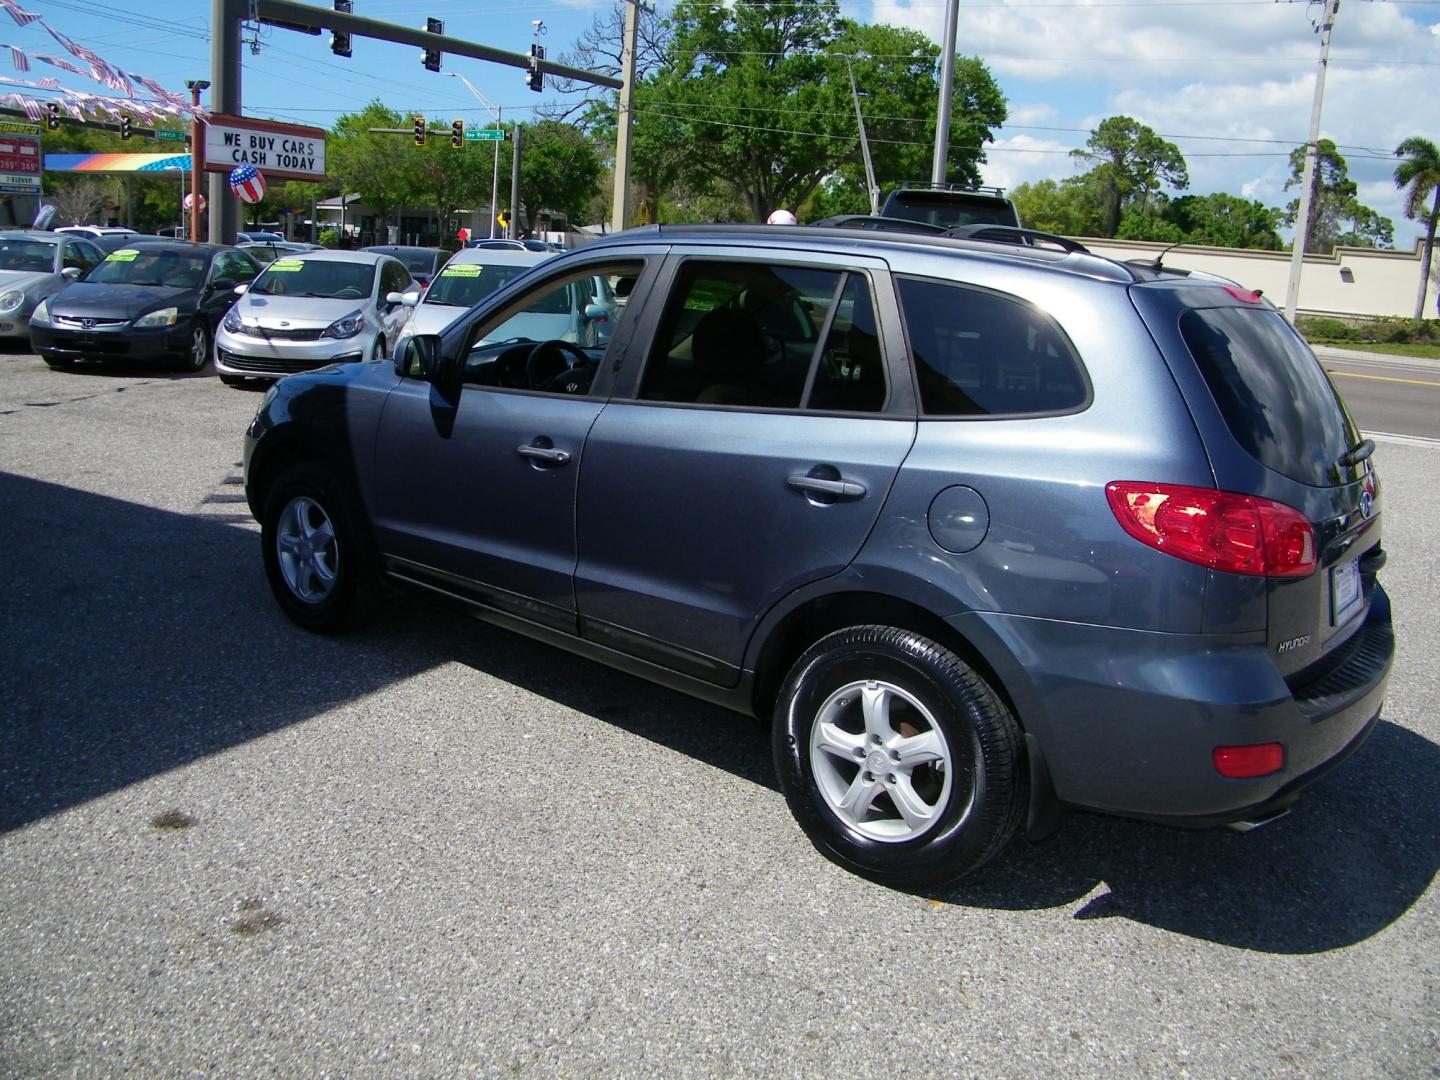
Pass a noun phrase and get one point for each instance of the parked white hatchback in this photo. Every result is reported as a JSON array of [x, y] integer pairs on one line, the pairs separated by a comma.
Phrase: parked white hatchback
[[308, 310], [471, 275]]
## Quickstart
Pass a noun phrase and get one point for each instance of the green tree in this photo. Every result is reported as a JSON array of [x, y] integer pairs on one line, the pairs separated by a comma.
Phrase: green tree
[[380, 168], [1418, 175], [1068, 207], [1336, 215], [559, 171], [1225, 220], [1131, 164]]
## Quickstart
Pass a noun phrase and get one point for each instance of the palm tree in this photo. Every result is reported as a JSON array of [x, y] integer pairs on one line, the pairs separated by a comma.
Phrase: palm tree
[[1419, 170]]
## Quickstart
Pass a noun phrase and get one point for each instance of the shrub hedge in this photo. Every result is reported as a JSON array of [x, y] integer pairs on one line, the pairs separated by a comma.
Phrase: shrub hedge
[[1321, 330]]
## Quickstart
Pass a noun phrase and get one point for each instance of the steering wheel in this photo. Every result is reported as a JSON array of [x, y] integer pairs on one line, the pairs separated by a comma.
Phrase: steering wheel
[[550, 363]]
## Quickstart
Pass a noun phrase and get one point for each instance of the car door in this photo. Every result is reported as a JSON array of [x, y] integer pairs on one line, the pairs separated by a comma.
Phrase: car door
[[760, 438], [479, 496]]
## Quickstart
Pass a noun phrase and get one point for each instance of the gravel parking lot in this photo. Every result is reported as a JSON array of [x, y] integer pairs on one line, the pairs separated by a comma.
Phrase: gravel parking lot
[[433, 849]]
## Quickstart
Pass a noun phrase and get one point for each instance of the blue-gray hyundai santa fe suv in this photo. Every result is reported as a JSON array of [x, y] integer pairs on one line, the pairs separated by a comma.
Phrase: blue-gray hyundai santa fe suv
[[987, 527]]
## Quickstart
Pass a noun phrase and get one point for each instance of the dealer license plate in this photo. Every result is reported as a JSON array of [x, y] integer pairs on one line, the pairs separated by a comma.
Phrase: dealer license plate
[[1345, 594]]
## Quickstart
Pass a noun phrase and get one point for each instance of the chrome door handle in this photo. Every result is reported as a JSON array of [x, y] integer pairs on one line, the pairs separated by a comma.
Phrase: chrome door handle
[[839, 489], [548, 455]]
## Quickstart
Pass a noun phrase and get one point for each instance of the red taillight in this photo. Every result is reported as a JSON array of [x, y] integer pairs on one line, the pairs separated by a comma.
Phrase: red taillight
[[1245, 296], [1242, 534], [1247, 762]]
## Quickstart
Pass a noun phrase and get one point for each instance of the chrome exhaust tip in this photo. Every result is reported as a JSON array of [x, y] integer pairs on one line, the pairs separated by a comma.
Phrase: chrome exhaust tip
[[1259, 821]]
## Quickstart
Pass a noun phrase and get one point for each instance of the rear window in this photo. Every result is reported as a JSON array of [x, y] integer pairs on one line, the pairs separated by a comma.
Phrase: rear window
[[951, 209], [1275, 397]]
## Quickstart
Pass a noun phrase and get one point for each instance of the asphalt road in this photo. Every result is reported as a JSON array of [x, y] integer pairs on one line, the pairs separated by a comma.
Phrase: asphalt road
[[430, 849], [1393, 395]]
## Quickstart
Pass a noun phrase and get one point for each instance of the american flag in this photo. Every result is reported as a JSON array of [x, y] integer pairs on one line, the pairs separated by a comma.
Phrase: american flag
[[247, 183]]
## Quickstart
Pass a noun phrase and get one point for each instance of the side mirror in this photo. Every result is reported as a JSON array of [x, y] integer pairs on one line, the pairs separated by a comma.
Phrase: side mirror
[[410, 299], [71, 273], [594, 312], [391, 299], [422, 359], [240, 289]]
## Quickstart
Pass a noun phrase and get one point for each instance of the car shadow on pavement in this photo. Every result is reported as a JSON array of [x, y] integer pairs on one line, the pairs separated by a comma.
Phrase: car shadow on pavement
[[1358, 849], [138, 640]]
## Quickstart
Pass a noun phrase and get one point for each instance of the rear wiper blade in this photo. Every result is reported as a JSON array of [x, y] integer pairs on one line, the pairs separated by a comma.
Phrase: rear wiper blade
[[1357, 453]]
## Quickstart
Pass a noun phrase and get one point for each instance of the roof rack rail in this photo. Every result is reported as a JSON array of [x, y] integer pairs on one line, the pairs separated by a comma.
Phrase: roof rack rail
[[873, 221], [1009, 234], [932, 185]]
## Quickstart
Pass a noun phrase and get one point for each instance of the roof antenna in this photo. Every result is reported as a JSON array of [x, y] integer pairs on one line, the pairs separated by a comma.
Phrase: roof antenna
[[1158, 258]]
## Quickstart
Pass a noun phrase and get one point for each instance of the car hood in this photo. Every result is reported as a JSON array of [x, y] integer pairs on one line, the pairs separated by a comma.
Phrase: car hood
[[99, 300], [23, 279], [302, 311], [432, 318]]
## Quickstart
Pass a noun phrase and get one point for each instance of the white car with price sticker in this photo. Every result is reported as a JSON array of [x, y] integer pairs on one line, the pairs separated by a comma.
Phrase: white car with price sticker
[[583, 312], [312, 309]]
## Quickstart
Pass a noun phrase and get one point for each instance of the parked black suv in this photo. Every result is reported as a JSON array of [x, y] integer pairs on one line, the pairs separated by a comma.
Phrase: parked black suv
[[950, 206], [987, 529]]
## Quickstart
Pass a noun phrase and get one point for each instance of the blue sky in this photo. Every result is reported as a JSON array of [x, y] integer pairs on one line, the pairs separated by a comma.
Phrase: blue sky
[[1230, 81]]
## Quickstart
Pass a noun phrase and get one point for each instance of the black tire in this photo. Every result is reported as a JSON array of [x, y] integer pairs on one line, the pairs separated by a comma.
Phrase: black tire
[[199, 354], [233, 380], [973, 791], [325, 578]]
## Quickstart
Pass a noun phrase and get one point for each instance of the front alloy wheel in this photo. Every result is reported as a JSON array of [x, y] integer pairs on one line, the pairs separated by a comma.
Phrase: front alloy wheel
[[306, 550], [320, 565]]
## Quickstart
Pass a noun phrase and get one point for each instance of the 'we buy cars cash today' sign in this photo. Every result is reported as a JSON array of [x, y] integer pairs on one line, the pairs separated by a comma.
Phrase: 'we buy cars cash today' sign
[[280, 151]]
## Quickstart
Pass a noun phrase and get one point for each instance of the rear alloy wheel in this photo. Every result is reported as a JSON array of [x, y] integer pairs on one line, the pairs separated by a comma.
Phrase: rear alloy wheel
[[199, 354], [897, 759], [320, 568]]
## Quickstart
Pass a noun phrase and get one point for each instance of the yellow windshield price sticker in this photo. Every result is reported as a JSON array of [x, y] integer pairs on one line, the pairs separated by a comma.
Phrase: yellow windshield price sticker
[[463, 270], [286, 266], [123, 255]]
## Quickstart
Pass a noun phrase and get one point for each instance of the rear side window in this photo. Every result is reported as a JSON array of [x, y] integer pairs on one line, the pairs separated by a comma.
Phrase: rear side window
[[1275, 397], [981, 354]]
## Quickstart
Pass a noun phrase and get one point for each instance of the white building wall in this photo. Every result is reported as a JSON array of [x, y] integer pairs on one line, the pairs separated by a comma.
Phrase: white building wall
[[1352, 281]]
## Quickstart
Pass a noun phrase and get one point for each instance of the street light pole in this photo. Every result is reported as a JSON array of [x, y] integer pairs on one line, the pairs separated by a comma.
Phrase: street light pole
[[197, 156], [940, 160], [1302, 216], [495, 171]]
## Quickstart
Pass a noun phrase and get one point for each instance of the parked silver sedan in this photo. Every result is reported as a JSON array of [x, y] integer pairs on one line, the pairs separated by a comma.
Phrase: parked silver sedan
[[34, 266], [311, 309]]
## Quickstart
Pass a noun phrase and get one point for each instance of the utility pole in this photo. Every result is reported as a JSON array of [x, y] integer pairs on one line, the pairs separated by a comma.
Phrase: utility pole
[[225, 19], [620, 206], [512, 231], [1302, 217], [870, 185], [939, 160]]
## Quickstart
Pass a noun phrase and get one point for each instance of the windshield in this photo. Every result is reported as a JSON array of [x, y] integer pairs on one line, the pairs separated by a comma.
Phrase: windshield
[[137, 266], [27, 255], [466, 284], [316, 277]]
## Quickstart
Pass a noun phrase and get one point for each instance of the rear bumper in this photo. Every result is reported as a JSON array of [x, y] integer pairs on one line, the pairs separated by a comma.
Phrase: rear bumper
[[1128, 721]]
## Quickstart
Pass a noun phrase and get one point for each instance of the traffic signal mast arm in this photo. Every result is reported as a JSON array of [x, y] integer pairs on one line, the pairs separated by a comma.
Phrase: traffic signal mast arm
[[293, 13]]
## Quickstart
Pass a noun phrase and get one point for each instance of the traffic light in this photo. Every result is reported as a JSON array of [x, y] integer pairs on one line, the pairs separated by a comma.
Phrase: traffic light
[[52, 115], [124, 126], [419, 131], [534, 78], [340, 39], [457, 133], [431, 57]]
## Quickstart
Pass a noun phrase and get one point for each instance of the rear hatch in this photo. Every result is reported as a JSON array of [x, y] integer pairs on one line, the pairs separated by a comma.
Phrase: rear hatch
[[1275, 427]]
